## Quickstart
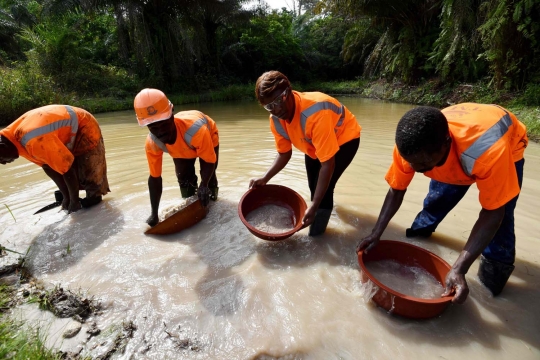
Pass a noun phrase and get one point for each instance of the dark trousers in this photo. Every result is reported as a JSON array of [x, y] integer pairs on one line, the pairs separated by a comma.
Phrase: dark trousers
[[185, 171], [444, 197], [343, 158]]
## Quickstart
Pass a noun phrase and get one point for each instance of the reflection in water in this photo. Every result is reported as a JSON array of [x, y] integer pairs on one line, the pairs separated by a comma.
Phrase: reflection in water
[[226, 294]]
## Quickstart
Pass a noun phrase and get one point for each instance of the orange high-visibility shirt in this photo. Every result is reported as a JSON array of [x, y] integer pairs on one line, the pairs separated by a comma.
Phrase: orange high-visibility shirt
[[320, 125], [486, 142], [197, 135], [54, 135]]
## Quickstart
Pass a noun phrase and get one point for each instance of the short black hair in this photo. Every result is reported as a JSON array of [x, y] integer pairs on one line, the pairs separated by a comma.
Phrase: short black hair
[[422, 129]]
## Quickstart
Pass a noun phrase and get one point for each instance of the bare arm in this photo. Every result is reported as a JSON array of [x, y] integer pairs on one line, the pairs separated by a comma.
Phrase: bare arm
[[280, 162], [68, 185], [325, 175], [482, 233], [392, 203]]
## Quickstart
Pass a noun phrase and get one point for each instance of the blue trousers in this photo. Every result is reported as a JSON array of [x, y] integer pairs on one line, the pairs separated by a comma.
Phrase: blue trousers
[[442, 198]]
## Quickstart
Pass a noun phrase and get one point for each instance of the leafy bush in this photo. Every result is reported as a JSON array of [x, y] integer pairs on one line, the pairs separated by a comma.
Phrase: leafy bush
[[25, 87]]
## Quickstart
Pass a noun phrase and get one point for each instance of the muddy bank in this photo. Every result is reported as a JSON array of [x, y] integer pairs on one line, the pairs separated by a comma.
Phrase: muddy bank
[[78, 314]]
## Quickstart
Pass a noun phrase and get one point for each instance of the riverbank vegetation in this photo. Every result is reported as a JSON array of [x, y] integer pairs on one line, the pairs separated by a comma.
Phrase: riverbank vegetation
[[98, 54], [16, 341]]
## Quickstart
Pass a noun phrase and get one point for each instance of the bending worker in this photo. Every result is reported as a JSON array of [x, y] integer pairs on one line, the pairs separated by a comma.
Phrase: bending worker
[[456, 147], [319, 126], [66, 142], [185, 136]]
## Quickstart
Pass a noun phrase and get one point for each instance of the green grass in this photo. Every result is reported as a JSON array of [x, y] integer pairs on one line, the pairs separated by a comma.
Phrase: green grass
[[530, 116], [17, 342], [13, 216], [25, 87]]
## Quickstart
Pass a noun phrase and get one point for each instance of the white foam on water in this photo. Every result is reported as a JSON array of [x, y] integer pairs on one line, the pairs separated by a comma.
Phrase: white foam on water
[[273, 219], [173, 209], [409, 280]]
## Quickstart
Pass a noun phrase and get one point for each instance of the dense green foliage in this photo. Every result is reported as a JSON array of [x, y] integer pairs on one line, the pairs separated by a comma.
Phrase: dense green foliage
[[101, 52], [457, 40]]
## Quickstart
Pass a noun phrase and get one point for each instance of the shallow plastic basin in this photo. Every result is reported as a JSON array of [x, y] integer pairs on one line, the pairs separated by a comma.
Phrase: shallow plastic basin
[[411, 255], [272, 195]]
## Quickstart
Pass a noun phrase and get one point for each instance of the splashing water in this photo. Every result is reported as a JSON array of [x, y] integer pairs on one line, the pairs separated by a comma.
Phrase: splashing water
[[272, 219], [409, 280]]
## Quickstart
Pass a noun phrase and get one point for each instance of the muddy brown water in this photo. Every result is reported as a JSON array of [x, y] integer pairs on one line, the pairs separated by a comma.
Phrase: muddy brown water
[[230, 295]]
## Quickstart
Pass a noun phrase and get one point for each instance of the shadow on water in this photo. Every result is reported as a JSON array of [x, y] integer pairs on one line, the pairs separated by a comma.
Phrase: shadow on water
[[64, 243], [483, 318], [222, 249], [335, 247]]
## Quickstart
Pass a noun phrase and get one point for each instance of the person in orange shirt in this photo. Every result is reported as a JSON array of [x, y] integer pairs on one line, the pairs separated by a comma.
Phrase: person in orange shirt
[[319, 126], [66, 142], [456, 147], [186, 136]]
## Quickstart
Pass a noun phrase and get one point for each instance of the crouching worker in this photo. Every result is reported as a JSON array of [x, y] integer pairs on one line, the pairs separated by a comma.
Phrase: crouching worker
[[66, 142], [456, 147], [186, 136]]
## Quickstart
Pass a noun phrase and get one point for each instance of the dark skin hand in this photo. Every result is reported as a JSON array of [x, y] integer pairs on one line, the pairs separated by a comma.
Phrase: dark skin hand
[[167, 133], [284, 109], [392, 203], [483, 231], [68, 185], [203, 193], [155, 187], [325, 175], [279, 163], [207, 170]]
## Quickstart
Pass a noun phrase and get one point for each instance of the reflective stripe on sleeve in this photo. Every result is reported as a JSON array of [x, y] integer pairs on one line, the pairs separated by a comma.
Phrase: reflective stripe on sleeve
[[279, 128]]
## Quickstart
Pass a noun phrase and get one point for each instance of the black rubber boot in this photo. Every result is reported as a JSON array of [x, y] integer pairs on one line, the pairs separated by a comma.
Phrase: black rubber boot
[[89, 202], [318, 227], [188, 191], [188, 188], [58, 196], [494, 274], [214, 193], [419, 232]]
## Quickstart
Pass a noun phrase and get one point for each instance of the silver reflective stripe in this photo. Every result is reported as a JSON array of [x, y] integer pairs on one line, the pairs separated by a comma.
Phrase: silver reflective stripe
[[324, 105], [483, 143], [279, 128], [73, 122], [342, 117], [188, 136], [74, 126], [158, 142]]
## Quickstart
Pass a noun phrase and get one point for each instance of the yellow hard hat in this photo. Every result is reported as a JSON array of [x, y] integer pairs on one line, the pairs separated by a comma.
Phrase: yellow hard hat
[[151, 105]]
